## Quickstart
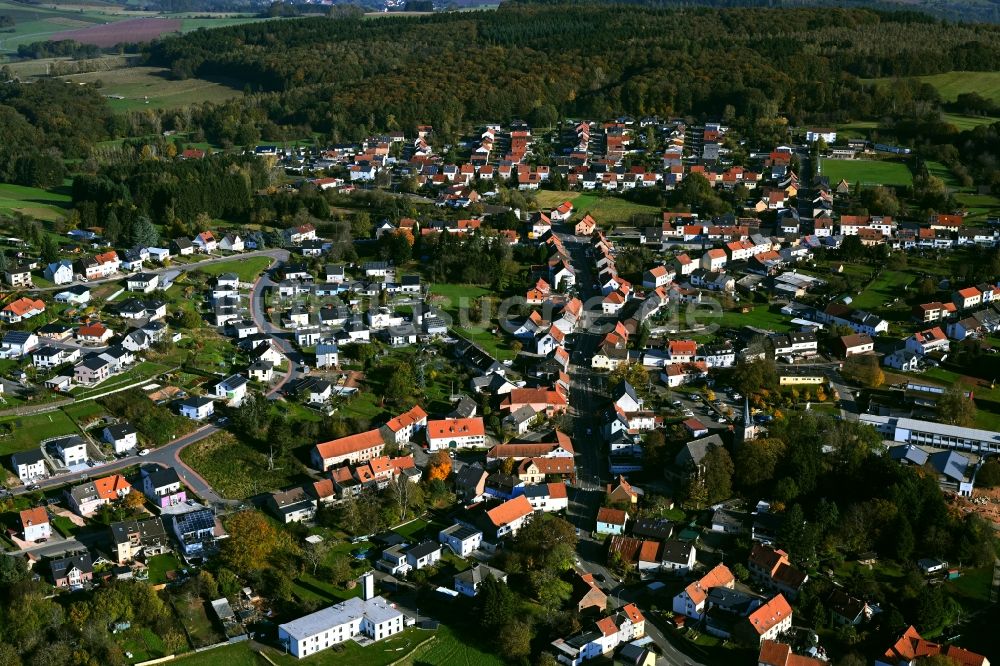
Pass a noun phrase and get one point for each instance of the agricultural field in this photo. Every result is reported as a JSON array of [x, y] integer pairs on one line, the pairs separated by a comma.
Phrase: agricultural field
[[980, 206], [867, 172], [134, 30], [132, 88], [33, 201], [963, 122], [605, 210], [952, 84]]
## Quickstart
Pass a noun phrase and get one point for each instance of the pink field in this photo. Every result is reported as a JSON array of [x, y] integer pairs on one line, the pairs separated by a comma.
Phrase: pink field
[[129, 30]]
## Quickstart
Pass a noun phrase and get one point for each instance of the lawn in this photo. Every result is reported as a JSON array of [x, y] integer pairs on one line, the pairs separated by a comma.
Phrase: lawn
[[867, 172], [604, 209], [84, 412], [309, 588], [887, 286], [141, 372], [238, 470], [939, 170], [28, 431], [760, 317], [382, 653], [159, 565], [64, 526], [33, 201], [238, 654], [131, 88], [246, 269], [446, 648], [191, 612], [143, 644]]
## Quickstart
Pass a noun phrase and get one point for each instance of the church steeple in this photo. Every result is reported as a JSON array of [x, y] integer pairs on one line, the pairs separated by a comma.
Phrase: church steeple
[[749, 431]]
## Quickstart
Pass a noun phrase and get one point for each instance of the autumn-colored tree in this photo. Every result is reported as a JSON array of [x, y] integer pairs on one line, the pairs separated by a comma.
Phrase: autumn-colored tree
[[134, 500], [251, 543], [439, 466]]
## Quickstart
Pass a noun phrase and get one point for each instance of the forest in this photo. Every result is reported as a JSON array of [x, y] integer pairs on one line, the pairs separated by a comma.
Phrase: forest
[[542, 62]]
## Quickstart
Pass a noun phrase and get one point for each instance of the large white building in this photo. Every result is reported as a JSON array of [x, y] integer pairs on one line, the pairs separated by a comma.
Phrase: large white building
[[929, 433], [373, 618]]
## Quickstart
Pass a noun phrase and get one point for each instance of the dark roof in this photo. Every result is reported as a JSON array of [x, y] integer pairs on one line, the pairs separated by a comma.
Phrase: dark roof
[[148, 530], [423, 549], [160, 476], [29, 457], [61, 566], [121, 430]]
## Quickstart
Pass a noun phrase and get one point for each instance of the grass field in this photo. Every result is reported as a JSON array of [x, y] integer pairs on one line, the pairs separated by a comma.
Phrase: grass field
[[952, 84], [213, 458], [884, 288], [28, 431], [238, 654], [150, 87], [605, 210], [939, 170], [33, 201], [446, 648], [867, 172], [980, 206], [963, 122], [246, 269]]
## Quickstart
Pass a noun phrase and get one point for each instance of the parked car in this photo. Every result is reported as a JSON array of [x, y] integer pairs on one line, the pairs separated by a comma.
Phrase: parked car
[[143, 452]]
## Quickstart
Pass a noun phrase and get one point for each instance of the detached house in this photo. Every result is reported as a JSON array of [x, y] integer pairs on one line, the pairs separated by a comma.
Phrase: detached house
[[123, 436], [205, 242], [35, 524], [59, 272], [692, 600], [771, 568], [72, 570], [611, 521], [925, 342], [162, 486], [21, 309], [456, 433]]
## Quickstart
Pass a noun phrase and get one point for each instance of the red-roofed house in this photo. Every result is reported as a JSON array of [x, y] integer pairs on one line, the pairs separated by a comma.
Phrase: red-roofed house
[[21, 309], [547, 496], [911, 648], [456, 433], [205, 242], [611, 521], [768, 621], [925, 342], [690, 602], [35, 524], [657, 276], [586, 226], [402, 428], [549, 401], [714, 260], [510, 516], [965, 299], [682, 351], [779, 654], [563, 212]]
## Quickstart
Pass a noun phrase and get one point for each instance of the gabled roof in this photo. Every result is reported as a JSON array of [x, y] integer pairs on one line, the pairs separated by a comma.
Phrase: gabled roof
[[767, 616], [350, 444], [720, 576], [510, 511]]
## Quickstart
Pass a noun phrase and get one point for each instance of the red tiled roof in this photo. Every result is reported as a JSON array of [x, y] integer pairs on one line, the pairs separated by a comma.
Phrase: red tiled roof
[[415, 415], [510, 511], [720, 576], [767, 616], [455, 428], [350, 444], [611, 516], [34, 516], [112, 487]]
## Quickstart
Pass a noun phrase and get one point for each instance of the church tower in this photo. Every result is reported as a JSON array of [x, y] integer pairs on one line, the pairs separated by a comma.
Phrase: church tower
[[748, 432]]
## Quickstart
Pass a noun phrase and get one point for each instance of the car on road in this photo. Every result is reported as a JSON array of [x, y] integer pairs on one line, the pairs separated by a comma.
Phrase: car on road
[[33, 486], [721, 419], [143, 452], [222, 420]]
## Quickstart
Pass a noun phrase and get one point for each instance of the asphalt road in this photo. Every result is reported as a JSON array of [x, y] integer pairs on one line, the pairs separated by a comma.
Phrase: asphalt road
[[183, 268], [280, 337]]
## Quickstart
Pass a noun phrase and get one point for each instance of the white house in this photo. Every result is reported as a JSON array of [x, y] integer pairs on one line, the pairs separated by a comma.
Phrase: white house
[[142, 282], [123, 436], [232, 389], [468, 582], [690, 602], [423, 555], [28, 465], [461, 539], [327, 354], [59, 272], [456, 433], [160, 254], [231, 243], [205, 242], [547, 497], [925, 342], [197, 408], [35, 524], [71, 450], [16, 344]]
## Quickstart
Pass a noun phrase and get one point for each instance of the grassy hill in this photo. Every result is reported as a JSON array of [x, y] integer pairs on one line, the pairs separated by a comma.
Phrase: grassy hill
[[952, 84]]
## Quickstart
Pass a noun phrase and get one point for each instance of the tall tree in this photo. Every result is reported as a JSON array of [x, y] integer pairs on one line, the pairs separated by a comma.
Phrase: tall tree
[[955, 408]]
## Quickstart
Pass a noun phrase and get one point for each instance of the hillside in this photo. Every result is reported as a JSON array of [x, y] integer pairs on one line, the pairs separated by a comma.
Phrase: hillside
[[542, 61]]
